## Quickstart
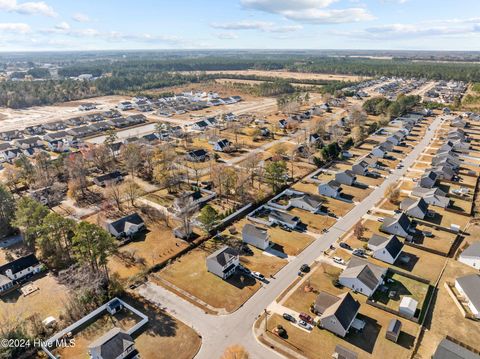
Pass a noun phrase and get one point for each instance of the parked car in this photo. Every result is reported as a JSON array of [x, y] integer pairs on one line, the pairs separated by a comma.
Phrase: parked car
[[427, 234], [304, 325], [380, 219], [258, 275], [358, 252], [345, 245], [243, 269], [338, 260], [305, 317], [289, 317], [305, 268]]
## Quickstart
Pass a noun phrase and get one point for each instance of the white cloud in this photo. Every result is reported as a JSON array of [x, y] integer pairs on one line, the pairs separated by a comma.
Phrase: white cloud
[[434, 28], [310, 11], [256, 25], [79, 17], [14, 27], [27, 8], [62, 26]]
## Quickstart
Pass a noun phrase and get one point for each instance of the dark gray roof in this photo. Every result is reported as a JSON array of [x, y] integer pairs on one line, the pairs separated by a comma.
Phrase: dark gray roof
[[223, 255], [473, 250], [20, 264], [402, 220], [391, 244], [283, 217], [119, 224], [471, 286], [345, 309], [450, 350]]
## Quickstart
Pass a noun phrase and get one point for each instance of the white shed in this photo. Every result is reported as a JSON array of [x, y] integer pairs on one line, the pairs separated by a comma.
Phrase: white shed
[[408, 307]]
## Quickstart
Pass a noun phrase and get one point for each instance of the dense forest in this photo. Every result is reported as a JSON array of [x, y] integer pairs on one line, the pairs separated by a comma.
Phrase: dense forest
[[121, 75]]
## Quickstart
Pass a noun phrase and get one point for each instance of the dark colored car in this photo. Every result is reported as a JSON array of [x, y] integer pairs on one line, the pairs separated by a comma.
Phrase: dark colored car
[[305, 317], [345, 245], [305, 268], [289, 317]]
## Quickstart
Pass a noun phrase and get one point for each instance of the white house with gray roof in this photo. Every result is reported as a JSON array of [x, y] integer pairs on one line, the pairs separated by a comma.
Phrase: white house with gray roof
[[362, 276], [115, 344], [256, 236], [330, 189], [346, 177], [386, 249], [398, 225], [337, 313], [223, 262], [414, 207], [469, 288], [471, 255]]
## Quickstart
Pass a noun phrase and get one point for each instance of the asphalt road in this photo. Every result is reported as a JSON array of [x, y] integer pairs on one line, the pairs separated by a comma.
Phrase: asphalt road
[[219, 332]]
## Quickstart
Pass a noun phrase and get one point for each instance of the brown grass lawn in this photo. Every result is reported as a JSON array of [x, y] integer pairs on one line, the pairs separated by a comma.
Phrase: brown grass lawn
[[314, 222], [441, 240], [358, 194], [49, 300], [405, 287], [175, 339], [370, 181], [369, 344], [445, 318], [190, 274]]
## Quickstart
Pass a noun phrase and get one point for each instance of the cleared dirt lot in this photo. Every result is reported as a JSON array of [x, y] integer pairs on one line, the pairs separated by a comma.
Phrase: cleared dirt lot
[[293, 75]]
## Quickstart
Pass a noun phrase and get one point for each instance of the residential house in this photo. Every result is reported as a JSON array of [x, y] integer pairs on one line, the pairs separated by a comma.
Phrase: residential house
[[223, 262], [108, 179], [26, 143], [343, 353], [471, 255], [416, 208], [223, 145], [469, 288], [386, 249], [330, 189], [125, 106], [379, 151], [93, 117], [200, 125], [398, 225], [444, 172], [32, 151], [229, 117], [152, 137], [126, 226], [256, 236], [283, 124], [428, 179], [196, 156], [55, 126], [360, 168], [362, 276], [75, 121], [136, 119], [115, 344], [346, 177], [337, 313], [17, 270], [396, 138], [433, 197], [283, 219], [447, 349], [314, 138], [307, 202], [34, 130], [10, 135], [9, 154]]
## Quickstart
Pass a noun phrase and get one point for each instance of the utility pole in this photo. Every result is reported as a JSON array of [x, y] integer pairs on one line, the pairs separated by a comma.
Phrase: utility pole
[[266, 319]]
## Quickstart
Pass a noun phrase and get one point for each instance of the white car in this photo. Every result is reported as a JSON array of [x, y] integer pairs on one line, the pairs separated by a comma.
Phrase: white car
[[338, 260], [303, 324], [380, 219], [258, 275]]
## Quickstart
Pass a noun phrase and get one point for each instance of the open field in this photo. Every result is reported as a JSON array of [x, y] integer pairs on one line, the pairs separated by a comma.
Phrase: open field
[[293, 75]]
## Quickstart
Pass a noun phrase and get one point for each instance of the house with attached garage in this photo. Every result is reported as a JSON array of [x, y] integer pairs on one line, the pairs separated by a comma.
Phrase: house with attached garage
[[87, 106], [362, 276], [196, 156], [386, 249], [283, 219], [126, 226], [255, 236], [388, 146], [346, 177], [379, 151], [416, 208], [360, 168], [9, 154], [125, 106], [469, 288], [17, 270], [25, 143], [426, 192], [437, 200], [55, 126], [223, 145], [307, 202], [10, 135], [115, 344], [108, 179], [447, 349], [471, 255], [223, 262], [398, 225], [337, 313], [396, 138], [330, 189], [200, 125], [428, 179]]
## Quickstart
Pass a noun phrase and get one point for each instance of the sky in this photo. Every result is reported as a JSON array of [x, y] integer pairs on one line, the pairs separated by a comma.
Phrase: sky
[[239, 24]]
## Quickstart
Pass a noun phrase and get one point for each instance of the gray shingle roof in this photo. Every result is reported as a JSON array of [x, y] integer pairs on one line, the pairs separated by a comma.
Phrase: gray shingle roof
[[450, 350], [472, 251], [471, 286], [223, 255]]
